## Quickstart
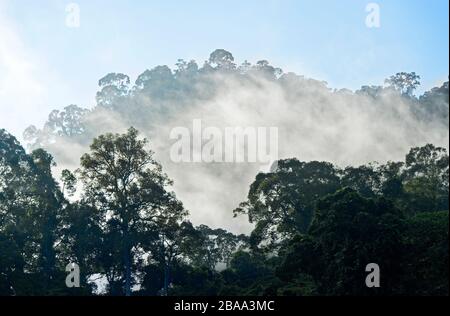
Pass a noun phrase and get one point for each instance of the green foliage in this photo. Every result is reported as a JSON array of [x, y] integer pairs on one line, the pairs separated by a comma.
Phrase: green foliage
[[124, 182], [427, 260], [427, 176], [30, 216], [281, 203], [69, 182], [316, 226], [349, 232]]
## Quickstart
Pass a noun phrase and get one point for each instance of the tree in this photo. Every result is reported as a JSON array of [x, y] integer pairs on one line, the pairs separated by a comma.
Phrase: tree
[[427, 178], [270, 72], [114, 86], [185, 68], [392, 178], [69, 182], [214, 246], [371, 91], [37, 138], [158, 82], [427, 262], [168, 242], [281, 203], [66, 123], [30, 213], [348, 232], [404, 82], [82, 242], [364, 179], [433, 105], [127, 185], [50, 203], [222, 59], [15, 176], [248, 274]]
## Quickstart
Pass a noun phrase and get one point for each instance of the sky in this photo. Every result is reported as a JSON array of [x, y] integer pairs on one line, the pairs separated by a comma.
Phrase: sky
[[45, 64]]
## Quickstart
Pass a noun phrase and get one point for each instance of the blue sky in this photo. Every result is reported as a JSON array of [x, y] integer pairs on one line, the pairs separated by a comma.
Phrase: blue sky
[[46, 65]]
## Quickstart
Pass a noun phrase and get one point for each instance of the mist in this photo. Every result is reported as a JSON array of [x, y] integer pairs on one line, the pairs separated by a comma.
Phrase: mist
[[314, 122]]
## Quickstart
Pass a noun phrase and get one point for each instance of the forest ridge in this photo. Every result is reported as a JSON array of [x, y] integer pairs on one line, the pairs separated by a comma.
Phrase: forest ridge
[[315, 225]]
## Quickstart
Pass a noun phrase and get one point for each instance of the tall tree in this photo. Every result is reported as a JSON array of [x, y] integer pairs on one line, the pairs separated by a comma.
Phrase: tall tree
[[50, 204], [404, 82], [68, 122], [113, 87], [127, 185], [15, 175], [222, 59], [31, 205], [281, 203]]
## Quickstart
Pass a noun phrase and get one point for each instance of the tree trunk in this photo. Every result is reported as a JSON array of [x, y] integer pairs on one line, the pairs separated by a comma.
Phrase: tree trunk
[[166, 279], [127, 261], [127, 275]]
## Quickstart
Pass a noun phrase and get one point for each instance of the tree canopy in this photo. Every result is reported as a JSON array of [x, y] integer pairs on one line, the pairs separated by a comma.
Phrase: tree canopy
[[317, 226]]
